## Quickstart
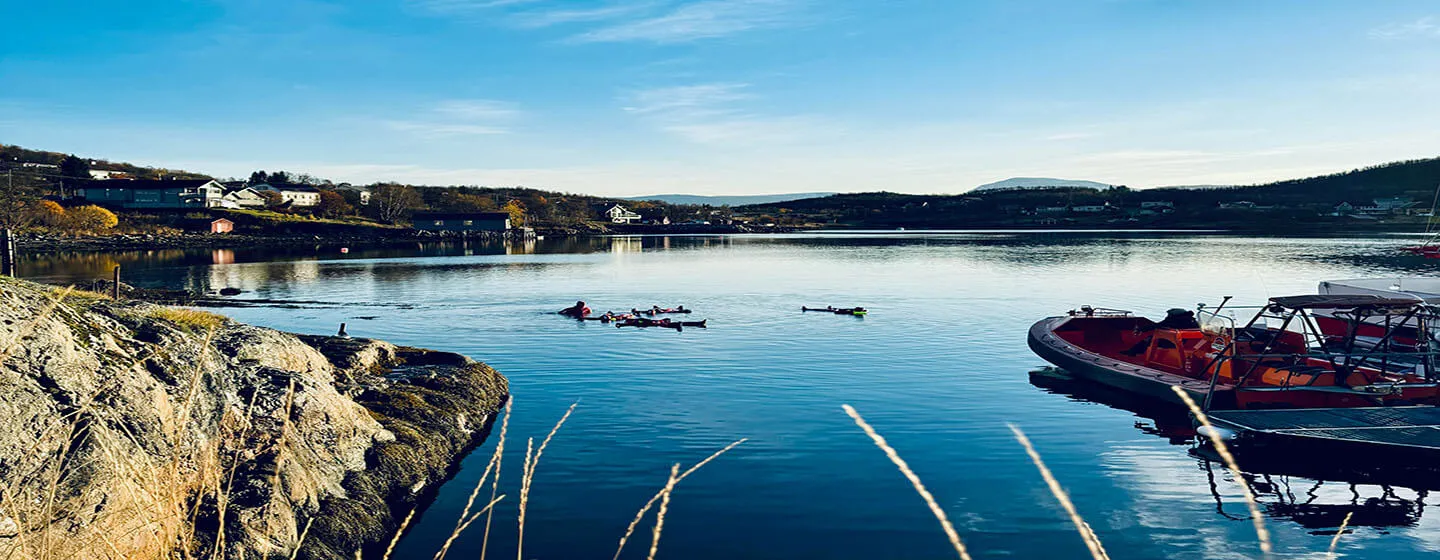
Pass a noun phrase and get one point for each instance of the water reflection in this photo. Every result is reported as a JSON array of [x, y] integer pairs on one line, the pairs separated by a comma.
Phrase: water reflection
[[1315, 493]]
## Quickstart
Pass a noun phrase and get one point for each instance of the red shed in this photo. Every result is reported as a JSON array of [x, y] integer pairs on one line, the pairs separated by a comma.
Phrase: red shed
[[222, 225]]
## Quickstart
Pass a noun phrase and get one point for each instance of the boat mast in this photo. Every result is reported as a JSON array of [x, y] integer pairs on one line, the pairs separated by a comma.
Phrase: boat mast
[[1430, 220]]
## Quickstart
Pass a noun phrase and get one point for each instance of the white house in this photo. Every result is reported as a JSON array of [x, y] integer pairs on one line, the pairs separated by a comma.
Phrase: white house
[[298, 196], [244, 197], [620, 215], [105, 174]]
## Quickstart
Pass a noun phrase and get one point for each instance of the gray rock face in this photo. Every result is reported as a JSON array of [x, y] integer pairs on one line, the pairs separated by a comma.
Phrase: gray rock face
[[132, 428]]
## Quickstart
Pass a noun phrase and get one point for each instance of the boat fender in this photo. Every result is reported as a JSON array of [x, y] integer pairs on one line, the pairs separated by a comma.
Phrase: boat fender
[[1212, 432]]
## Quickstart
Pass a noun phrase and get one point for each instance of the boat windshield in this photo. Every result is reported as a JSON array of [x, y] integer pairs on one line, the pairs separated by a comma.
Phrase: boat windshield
[[1214, 324]]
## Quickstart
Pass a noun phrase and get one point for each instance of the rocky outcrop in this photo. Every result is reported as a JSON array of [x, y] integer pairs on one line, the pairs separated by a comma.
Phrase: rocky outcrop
[[137, 431]]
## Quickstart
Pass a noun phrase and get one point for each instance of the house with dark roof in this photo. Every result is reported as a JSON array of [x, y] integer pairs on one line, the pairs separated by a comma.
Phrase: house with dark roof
[[152, 193], [461, 221], [296, 196]]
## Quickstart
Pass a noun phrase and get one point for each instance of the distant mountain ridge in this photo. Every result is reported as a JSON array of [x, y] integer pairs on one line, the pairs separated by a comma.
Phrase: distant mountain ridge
[[735, 200], [1015, 183]]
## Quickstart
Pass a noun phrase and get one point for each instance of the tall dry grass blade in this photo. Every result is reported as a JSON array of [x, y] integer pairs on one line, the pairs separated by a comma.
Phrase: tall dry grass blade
[[398, 532], [464, 519], [630, 530], [914, 481], [222, 499], [664, 505], [182, 418], [1330, 553], [495, 483], [301, 542], [529, 475], [1092, 541], [524, 492], [284, 443], [1261, 532], [465, 524]]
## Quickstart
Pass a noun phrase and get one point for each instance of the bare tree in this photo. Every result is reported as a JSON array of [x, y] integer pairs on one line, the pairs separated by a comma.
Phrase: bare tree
[[17, 202], [393, 202]]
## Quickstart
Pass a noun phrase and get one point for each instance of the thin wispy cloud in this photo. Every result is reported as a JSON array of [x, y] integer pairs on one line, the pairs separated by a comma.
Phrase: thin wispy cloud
[[532, 19], [1069, 136], [714, 113], [477, 109], [465, 6], [707, 19], [459, 117], [1426, 27], [654, 21], [751, 130], [698, 97], [441, 130]]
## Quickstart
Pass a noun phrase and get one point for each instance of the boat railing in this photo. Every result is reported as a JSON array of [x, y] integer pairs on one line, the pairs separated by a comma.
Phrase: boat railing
[[1328, 355], [1090, 311]]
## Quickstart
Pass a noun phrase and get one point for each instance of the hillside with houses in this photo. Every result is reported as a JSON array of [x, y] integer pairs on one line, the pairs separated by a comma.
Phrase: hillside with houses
[[149, 198], [1396, 195]]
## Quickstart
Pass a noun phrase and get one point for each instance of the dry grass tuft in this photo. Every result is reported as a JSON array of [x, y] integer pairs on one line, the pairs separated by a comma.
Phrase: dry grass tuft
[[528, 475], [1261, 532], [1092, 541], [664, 505], [495, 483], [914, 480], [398, 532], [77, 294], [1330, 552], [192, 320], [148, 511], [630, 530], [465, 518], [301, 541]]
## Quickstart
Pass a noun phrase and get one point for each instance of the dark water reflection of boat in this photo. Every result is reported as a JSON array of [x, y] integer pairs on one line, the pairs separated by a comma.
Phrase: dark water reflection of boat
[[1314, 492]]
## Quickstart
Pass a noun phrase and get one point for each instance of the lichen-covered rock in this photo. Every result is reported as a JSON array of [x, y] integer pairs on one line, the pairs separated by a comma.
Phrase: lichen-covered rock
[[132, 428]]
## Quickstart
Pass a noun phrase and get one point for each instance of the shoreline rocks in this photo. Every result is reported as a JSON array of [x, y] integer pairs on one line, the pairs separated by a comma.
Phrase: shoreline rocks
[[158, 430]]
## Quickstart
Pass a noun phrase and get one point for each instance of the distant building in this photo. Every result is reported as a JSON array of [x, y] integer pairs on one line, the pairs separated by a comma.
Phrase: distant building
[[1089, 209], [106, 174], [244, 197], [362, 193], [222, 225], [620, 215], [36, 165], [1391, 205], [297, 196], [1051, 210], [1157, 205], [1394, 203], [462, 221], [1243, 205], [153, 193]]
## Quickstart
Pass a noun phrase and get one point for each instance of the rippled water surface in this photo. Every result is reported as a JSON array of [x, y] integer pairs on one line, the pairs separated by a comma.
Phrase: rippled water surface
[[940, 366]]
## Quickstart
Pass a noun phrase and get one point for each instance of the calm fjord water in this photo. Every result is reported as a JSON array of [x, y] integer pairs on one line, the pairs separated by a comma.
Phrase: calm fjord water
[[939, 367]]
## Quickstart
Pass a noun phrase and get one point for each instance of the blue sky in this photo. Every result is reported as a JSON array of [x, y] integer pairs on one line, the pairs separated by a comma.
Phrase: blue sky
[[626, 97]]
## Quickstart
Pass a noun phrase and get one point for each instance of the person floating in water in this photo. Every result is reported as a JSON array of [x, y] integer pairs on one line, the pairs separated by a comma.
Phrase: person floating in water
[[577, 311]]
